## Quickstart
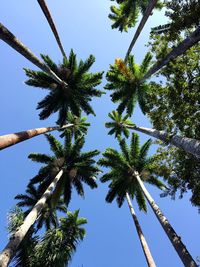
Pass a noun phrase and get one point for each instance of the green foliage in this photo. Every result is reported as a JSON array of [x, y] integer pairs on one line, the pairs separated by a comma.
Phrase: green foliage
[[125, 82], [48, 215], [122, 171], [118, 124], [126, 14], [174, 107], [80, 126], [79, 167], [78, 93]]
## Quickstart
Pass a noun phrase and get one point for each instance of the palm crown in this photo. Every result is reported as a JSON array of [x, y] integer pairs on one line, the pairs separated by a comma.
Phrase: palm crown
[[126, 83], [48, 216], [126, 14], [77, 166], [118, 124], [75, 96], [123, 166]]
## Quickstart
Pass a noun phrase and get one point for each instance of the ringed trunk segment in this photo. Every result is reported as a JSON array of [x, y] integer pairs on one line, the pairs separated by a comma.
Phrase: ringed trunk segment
[[48, 16], [180, 248], [143, 242], [190, 145], [143, 21], [10, 250], [12, 139], [177, 51], [17, 45]]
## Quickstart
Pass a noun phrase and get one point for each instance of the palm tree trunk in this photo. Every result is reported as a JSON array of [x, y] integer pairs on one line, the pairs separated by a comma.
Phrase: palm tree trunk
[[143, 242], [177, 51], [180, 248], [143, 21], [190, 145], [11, 248], [12, 41], [12, 139], [51, 24]]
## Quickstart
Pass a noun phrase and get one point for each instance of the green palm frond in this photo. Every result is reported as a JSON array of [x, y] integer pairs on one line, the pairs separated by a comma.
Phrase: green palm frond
[[40, 158], [55, 145]]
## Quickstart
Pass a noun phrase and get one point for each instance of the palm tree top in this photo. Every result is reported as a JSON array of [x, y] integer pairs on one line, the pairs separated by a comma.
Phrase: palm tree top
[[123, 166], [78, 167], [81, 87], [80, 125], [125, 82], [125, 15], [118, 124]]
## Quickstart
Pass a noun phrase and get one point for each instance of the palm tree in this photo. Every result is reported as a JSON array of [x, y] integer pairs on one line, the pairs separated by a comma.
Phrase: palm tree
[[146, 14], [12, 139], [120, 125], [51, 24], [129, 170], [125, 16], [177, 51], [75, 97], [58, 245], [48, 215], [9, 38], [124, 80], [68, 167]]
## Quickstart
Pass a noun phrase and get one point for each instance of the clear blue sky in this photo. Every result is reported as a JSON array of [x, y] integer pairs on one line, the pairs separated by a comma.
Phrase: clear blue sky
[[111, 239]]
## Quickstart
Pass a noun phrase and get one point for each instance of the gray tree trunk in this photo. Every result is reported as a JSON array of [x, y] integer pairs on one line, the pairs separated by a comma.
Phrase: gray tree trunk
[[180, 248], [143, 21], [12, 41], [11, 248], [177, 51], [190, 145], [143, 242], [12, 139], [51, 24]]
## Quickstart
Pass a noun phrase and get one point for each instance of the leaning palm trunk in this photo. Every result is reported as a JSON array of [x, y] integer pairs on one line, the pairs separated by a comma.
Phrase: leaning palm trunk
[[12, 139], [51, 24], [177, 51], [143, 242], [12, 41], [11, 248], [180, 248], [143, 21], [190, 145]]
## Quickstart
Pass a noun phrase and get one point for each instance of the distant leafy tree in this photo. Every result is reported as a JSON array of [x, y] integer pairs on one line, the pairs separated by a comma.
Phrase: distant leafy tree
[[126, 14], [75, 96], [125, 82], [174, 107], [48, 216], [128, 172]]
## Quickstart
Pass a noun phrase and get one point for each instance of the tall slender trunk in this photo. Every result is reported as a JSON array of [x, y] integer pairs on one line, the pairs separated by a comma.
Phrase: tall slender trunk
[[16, 44], [12, 139], [11, 248], [51, 24], [177, 51], [143, 21], [190, 145], [143, 242], [180, 248]]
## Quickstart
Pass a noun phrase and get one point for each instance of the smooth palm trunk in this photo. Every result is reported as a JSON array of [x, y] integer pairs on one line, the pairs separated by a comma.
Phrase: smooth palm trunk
[[12, 41], [11, 248], [143, 242], [143, 21], [177, 51], [51, 24], [180, 248], [12, 139], [190, 145]]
